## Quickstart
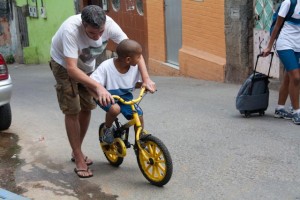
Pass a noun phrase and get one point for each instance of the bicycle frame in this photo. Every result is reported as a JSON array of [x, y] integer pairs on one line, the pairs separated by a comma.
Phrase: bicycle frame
[[135, 121]]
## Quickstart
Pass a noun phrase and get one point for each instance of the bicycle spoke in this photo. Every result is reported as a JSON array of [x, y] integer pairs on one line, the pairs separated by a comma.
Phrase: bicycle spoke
[[161, 167], [158, 155]]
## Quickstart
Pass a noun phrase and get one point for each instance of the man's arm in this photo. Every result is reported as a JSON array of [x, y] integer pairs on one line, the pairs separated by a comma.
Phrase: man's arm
[[98, 91], [147, 82]]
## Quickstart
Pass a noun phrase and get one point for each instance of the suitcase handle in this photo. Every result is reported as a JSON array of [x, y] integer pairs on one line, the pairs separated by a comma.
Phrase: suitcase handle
[[261, 55]]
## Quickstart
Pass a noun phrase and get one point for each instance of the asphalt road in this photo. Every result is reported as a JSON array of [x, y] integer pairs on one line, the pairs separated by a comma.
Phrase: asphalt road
[[217, 153]]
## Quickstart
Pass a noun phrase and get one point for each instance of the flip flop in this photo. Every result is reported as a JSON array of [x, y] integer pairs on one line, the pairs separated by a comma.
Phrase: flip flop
[[82, 170], [85, 159]]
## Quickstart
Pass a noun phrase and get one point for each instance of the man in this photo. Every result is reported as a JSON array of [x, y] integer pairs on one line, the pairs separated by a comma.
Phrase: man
[[75, 46]]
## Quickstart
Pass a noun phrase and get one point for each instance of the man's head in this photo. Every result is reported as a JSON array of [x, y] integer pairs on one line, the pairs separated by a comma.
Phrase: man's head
[[93, 20], [129, 51]]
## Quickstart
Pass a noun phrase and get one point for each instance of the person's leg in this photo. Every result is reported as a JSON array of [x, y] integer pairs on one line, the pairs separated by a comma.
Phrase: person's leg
[[87, 104], [111, 115], [294, 94], [74, 136], [84, 120], [284, 90], [69, 103], [290, 62], [294, 76], [112, 111]]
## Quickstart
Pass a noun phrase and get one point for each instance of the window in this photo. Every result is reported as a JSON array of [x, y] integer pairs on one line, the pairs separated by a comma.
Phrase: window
[[140, 7], [116, 5]]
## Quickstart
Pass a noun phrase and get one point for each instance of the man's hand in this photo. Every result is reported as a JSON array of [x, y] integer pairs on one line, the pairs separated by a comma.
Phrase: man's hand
[[149, 85], [104, 97]]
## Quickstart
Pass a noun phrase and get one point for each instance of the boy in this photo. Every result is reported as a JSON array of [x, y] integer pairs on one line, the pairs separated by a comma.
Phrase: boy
[[119, 76]]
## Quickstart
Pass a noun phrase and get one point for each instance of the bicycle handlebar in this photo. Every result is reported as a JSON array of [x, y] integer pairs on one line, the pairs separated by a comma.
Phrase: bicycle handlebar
[[133, 101]]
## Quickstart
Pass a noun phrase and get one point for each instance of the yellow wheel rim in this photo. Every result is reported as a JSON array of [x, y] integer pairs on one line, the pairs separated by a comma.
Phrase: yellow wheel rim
[[115, 150], [155, 165]]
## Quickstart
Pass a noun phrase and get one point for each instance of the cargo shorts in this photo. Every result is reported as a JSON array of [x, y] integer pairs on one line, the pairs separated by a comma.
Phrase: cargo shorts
[[72, 96]]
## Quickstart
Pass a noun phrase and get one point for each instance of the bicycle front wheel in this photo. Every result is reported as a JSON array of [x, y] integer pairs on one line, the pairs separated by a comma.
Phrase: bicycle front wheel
[[157, 165]]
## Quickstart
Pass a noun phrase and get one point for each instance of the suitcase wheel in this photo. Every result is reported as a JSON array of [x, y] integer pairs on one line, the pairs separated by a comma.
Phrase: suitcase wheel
[[247, 114], [261, 113]]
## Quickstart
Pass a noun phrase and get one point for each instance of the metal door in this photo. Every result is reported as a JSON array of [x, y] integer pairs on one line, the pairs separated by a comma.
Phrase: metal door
[[173, 30]]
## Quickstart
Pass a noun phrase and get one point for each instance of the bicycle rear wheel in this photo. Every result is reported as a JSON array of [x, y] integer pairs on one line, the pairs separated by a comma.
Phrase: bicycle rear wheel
[[157, 167]]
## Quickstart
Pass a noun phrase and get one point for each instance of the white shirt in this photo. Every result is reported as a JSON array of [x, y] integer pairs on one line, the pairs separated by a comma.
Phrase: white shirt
[[115, 82], [71, 41], [289, 37]]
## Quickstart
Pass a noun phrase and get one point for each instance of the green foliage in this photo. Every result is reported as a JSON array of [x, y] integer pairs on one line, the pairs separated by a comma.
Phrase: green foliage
[[10, 59]]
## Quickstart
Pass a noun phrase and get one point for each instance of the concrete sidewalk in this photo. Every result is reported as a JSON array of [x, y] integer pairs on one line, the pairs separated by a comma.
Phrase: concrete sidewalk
[[216, 152]]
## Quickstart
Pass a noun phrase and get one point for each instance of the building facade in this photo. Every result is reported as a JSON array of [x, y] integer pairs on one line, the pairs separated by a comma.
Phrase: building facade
[[204, 39]]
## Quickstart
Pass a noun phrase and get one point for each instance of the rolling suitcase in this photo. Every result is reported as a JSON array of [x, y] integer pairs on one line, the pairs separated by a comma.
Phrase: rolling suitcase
[[253, 96]]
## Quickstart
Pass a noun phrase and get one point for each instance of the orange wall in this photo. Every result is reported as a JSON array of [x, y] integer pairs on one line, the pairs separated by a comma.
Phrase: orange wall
[[156, 29], [203, 50], [203, 26]]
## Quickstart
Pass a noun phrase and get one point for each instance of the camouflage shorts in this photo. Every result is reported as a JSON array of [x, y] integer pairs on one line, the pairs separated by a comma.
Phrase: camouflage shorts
[[72, 96]]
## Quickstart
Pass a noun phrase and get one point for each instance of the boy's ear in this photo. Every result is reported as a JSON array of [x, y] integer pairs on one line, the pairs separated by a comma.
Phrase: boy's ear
[[127, 59]]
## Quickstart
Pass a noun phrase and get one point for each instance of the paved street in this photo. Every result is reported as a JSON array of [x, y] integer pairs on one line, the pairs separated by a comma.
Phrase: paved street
[[217, 153]]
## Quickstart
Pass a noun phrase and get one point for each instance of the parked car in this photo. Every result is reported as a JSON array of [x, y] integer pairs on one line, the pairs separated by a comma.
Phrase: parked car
[[5, 95]]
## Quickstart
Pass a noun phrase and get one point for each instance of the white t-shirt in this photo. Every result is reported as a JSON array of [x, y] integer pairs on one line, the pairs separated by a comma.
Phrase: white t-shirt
[[115, 82], [71, 41], [289, 37]]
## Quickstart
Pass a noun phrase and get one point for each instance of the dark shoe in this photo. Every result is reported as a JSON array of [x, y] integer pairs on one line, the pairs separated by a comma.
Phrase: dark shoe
[[107, 135], [282, 113], [77, 171], [296, 118], [87, 162]]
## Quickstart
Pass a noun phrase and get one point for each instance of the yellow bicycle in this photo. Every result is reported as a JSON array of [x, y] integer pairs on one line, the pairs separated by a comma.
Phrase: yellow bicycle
[[153, 157]]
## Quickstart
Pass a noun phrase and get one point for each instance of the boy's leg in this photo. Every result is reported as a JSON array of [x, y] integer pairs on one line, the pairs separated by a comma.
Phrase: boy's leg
[[107, 132], [284, 89], [290, 61], [112, 114], [294, 87]]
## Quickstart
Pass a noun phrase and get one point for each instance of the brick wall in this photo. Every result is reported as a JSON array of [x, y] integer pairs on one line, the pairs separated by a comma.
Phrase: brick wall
[[203, 49], [203, 26], [156, 30]]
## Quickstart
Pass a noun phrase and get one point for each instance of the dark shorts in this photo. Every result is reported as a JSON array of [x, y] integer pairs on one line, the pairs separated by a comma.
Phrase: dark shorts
[[290, 59], [72, 96]]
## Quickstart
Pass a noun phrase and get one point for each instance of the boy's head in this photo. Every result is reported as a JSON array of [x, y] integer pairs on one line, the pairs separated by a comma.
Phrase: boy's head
[[129, 51]]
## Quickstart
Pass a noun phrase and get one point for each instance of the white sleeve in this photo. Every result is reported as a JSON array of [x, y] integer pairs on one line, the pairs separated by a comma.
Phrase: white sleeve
[[284, 8], [114, 31], [70, 48]]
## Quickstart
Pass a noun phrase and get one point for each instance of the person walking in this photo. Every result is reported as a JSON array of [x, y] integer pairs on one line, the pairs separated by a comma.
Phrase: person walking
[[288, 48], [74, 48]]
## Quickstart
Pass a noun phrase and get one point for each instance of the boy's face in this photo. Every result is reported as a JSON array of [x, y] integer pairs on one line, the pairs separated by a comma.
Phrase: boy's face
[[134, 60]]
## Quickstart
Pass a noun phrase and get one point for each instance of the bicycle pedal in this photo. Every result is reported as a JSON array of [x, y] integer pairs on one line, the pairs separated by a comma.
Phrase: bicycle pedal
[[127, 144]]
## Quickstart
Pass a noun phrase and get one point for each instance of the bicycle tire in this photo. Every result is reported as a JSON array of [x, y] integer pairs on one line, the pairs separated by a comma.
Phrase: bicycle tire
[[157, 169], [112, 158]]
